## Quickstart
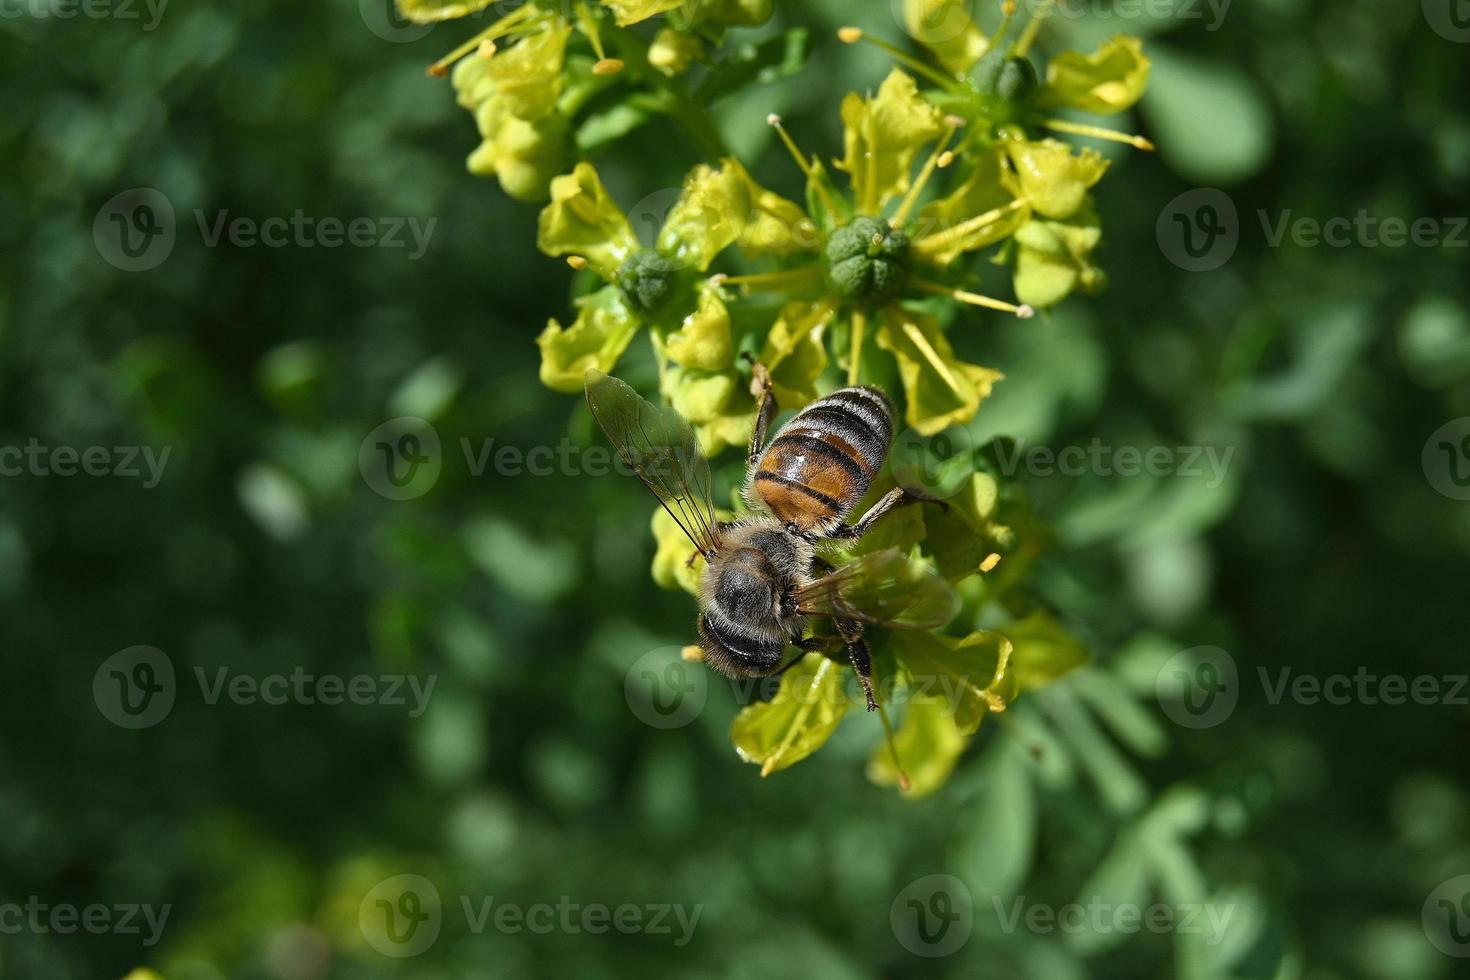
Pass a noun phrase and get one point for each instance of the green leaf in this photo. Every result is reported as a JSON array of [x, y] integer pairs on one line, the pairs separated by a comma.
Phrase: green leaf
[[582, 220], [1001, 846], [939, 389], [1214, 124], [1043, 652], [797, 721], [596, 339], [881, 136], [431, 11], [1110, 80], [971, 673], [928, 744], [765, 61], [946, 28]]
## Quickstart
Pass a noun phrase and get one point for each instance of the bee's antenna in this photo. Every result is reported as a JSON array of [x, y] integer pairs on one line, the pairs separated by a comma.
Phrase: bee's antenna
[[903, 777]]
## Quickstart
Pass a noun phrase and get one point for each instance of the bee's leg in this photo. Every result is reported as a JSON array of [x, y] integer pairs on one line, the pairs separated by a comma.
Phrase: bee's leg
[[896, 497], [857, 652], [765, 409]]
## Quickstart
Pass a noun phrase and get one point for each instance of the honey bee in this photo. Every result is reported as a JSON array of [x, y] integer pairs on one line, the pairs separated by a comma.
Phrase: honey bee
[[763, 579]]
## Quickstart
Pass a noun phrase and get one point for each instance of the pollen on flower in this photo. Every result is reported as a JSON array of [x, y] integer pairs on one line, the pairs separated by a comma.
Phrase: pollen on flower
[[577, 262], [487, 49], [437, 70], [772, 119], [945, 159], [1025, 311], [608, 66], [850, 35], [991, 560]]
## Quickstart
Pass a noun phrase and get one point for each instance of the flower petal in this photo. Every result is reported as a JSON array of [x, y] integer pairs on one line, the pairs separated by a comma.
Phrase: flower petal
[[703, 341], [946, 28], [582, 220], [431, 11], [1053, 258], [596, 339], [529, 74], [1053, 178], [627, 12], [883, 133], [940, 389], [708, 217], [796, 722], [794, 353], [1107, 81], [951, 226]]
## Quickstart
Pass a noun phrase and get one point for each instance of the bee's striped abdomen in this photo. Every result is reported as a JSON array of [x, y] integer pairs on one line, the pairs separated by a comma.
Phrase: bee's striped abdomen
[[823, 461]]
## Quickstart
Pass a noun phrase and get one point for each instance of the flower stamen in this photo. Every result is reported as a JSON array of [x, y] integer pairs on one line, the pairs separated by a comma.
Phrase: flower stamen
[[499, 29], [940, 157], [1097, 132], [852, 35], [809, 168], [1022, 312]]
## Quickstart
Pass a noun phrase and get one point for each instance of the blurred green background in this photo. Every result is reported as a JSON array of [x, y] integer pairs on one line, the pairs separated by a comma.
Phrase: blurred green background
[[1335, 543]]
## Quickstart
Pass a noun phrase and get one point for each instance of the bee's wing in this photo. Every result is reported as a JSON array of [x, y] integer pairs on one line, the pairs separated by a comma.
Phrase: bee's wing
[[883, 588], [663, 450]]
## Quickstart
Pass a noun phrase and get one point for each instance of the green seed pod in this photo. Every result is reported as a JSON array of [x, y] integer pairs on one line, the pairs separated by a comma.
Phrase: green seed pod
[[868, 260], [648, 282], [1010, 79]]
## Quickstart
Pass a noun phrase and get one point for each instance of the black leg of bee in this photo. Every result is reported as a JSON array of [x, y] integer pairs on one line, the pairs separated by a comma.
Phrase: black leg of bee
[[896, 497], [857, 652], [765, 409]]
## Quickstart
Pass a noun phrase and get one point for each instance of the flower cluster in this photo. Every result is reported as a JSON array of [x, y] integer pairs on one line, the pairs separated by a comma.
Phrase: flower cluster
[[863, 281], [534, 92]]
